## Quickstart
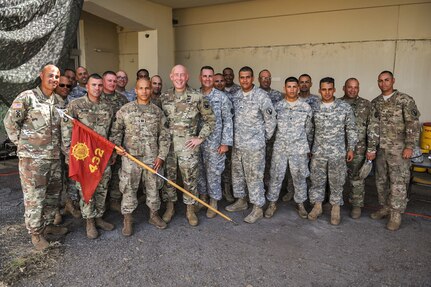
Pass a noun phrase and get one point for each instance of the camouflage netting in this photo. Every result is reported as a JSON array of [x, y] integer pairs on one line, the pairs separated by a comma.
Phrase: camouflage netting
[[32, 33]]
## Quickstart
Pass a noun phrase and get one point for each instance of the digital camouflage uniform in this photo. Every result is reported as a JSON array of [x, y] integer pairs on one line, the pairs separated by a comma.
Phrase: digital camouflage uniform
[[293, 139], [334, 134], [146, 137], [254, 123], [314, 102], [116, 100], [362, 111], [275, 96], [33, 125], [76, 93], [98, 117], [183, 111], [396, 120], [211, 162]]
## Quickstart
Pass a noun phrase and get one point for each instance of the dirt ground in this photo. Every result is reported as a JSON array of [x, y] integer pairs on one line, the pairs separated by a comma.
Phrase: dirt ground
[[282, 251]]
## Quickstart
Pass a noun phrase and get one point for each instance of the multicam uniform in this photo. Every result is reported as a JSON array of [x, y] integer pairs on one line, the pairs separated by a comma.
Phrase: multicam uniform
[[33, 125], [116, 100], [98, 117], [294, 136], [396, 121], [145, 137], [334, 125], [183, 111], [213, 163], [254, 123], [362, 111]]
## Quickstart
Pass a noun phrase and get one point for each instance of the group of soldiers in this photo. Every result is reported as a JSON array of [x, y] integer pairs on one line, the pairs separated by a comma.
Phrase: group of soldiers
[[218, 139]]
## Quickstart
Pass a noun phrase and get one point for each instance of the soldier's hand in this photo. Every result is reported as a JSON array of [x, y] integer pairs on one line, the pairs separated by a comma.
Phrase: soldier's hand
[[121, 151], [407, 153], [193, 143], [349, 156], [371, 155], [223, 149], [157, 164]]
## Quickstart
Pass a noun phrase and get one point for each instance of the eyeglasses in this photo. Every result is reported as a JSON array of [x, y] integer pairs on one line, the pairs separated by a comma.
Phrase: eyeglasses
[[64, 85]]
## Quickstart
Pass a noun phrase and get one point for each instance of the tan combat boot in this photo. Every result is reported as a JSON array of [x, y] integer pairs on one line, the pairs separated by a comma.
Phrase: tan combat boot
[[238, 205], [288, 196], [91, 229], [381, 213], [394, 221], [104, 225], [191, 215], [255, 214], [156, 220], [335, 214], [169, 213], [54, 230], [57, 217], [227, 193], [301, 211], [70, 208], [316, 211], [356, 212], [115, 205], [204, 198], [213, 204], [272, 207], [127, 224], [39, 242]]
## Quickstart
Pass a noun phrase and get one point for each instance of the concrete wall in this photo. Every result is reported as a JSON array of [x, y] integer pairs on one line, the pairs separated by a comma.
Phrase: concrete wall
[[129, 54], [323, 38], [100, 44]]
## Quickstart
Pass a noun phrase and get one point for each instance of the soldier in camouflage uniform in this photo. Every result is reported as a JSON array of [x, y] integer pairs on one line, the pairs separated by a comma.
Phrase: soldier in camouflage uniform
[[220, 84], [143, 126], [362, 111], [230, 87], [335, 134], [122, 80], [33, 125], [156, 90], [214, 148], [275, 96], [116, 100], [254, 123], [395, 118], [97, 114], [183, 109], [305, 95], [293, 139], [79, 90]]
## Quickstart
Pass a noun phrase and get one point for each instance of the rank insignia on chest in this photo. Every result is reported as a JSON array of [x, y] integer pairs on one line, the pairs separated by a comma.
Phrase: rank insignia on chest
[[206, 105], [189, 99], [414, 112], [269, 111]]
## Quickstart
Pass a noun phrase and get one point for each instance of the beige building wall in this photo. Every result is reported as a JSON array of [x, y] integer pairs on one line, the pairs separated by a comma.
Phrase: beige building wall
[[334, 38], [100, 42]]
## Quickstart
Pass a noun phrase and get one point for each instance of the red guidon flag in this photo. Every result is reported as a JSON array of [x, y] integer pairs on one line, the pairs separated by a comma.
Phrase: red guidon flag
[[89, 154]]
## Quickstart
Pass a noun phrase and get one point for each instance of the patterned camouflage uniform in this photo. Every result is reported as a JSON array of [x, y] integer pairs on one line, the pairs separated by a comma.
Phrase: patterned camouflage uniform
[[116, 101], [130, 95], [75, 93], [396, 120], [362, 111], [98, 117], [230, 92], [334, 128], [314, 102], [183, 111], [213, 163], [33, 125], [145, 137], [254, 123], [275, 96], [294, 136]]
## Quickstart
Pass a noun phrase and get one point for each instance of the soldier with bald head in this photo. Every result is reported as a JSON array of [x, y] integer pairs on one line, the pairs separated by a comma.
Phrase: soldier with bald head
[[184, 108], [33, 125]]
